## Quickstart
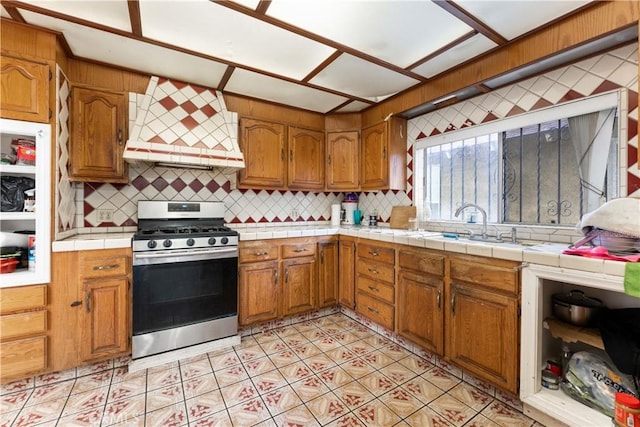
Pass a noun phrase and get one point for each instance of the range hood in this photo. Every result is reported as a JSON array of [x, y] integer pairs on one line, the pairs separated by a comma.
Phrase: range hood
[[184, 125]]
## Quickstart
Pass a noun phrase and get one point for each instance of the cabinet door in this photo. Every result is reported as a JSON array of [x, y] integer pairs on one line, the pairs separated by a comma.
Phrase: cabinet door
[[343, 161], [328, 274], [105, 325], [306, 159], [24, 90], [258, 292], [482, 334], [98, 136], [419, 310], [375, 171], [299, 285], [262, 144], [346, 274]]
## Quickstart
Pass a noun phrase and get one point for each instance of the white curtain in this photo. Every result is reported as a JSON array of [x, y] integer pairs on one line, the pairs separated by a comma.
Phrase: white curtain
[[591, 136]]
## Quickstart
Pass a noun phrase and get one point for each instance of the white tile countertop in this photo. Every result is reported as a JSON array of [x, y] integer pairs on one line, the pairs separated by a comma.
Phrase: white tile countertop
[[549, 254]]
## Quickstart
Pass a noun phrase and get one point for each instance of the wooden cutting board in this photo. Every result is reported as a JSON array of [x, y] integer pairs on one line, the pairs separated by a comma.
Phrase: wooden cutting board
[[400, 216]]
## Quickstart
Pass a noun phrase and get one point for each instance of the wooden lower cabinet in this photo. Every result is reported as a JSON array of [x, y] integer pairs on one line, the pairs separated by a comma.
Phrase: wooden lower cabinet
[[328, 272], [375, 282], [258, 292], [90, 289], [299, 286], [347, 273], [23, 331]]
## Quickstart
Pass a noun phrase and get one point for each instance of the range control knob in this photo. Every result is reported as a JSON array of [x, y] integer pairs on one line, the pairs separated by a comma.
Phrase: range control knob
[[166, 243], [224, 240], [152, 244], [190, 242], [212, 241]]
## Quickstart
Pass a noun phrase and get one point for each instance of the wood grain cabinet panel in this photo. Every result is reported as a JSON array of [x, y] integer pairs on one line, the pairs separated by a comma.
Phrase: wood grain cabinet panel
[[299, 285], [306, 159], [20, 358], [22, 298], [98, 136], [24, 90], [23, 324], [347, 273], [263, 146], [328, 273], [384, 156], [258, 291], [343, 161]]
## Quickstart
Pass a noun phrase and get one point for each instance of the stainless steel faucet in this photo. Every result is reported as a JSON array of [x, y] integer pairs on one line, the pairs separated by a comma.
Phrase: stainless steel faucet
[[484, 218]]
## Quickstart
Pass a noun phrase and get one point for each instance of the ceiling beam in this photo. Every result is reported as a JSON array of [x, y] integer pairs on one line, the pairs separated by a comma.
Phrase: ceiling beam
[[338, 107], [134, 17], [14, 13], [471, 21], [263, 6], [315, 37], [225, 78], [443, 49], [335, 55]]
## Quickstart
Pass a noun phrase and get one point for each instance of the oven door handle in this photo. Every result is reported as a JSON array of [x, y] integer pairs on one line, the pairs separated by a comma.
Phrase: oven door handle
[[147, 258]]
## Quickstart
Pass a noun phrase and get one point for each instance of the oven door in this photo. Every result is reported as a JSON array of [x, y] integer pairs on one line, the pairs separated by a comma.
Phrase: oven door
[[183, 298]]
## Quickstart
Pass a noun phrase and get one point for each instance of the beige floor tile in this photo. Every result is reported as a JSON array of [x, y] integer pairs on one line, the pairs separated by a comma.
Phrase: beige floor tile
[[165, 396], [269, 381], [377, 341], [14, 401], [353, 394], [396, 352], [480, 421], [295, 372], [306, 350], [298, 416], [219, 419], [349, 420], [92, 417], [56, 377], [38, 414], [224, 361], [14, 386], [295, 340], [230, 375], [7, 417], [205, 405], [335, 377], [265, 337], [401, 402], [250, 353], [163, 378], [281, 400], [471, 396], [127, 389], [319, 362], [258, 366], [50, 392], [360, 347], [248, 413], [309, 388], [86, 400], [376, 413], [122, 374], [340, 355], [94, 367], [454, 411], [199, 385], [441, 379], [286, 331], [357, 367], [416, 364], [174, 415], [313, 334], [284, 358], [425, 391], [327, 408], [195, 369], [274, 346], [239, 392], [93, 381], [398, 373], [131, 409], [377, 359], [506, 416], [377, 383], [427, 417]]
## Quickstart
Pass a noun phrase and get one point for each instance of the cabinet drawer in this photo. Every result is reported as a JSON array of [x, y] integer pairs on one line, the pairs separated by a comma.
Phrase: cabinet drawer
[[101, 265], [294, 250], [422, 262], [23, 324], [22, 298], [253, 252], [489, 272], [375, 310], [376, 289], [22, 357], [376, 270], [376, 253]]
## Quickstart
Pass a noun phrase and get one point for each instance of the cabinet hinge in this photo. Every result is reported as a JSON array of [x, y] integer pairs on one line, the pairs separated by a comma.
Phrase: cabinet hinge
[[50, 113], [50, 75]]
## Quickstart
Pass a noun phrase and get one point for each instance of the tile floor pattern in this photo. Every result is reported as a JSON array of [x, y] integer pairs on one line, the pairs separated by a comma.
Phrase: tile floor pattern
[[327, 371]]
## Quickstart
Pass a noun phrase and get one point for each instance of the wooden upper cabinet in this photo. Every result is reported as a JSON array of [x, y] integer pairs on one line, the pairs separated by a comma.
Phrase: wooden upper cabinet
[[343, 161], [24, 90], [384, 156], [263, 146], [99, 123], [306, 159]]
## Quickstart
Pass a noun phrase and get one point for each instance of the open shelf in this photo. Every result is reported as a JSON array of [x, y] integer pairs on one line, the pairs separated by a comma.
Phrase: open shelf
[[571, 333]]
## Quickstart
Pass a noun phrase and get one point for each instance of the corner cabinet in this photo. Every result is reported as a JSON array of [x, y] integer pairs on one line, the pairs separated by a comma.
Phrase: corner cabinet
[[384, 156], [343, 161], [38, 222], [24, 89], [98, 135]]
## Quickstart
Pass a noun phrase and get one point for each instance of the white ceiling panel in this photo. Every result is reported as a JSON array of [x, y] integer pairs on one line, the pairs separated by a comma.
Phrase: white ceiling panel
[[353, 107], [112, 13], [398, 32], [220, 32], [133, 54], [466, 50], [514, 18], [4, 13], [264, 87], [352, 75]]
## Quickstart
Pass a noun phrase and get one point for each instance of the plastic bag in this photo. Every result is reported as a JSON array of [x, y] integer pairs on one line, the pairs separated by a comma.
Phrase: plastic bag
[[593, 381], [13, 188]]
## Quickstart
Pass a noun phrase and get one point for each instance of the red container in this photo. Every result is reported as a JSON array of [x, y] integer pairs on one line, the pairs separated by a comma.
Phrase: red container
[[8, 265]]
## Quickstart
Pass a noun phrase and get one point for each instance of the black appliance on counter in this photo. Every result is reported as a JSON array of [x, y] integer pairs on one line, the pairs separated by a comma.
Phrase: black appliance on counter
[[185, 276]]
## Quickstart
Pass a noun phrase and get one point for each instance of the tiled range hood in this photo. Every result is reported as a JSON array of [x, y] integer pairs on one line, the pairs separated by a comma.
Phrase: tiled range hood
[[184, 125]]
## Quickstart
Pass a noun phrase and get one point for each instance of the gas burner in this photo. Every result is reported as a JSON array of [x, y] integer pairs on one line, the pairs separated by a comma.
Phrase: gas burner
[[188, 230]]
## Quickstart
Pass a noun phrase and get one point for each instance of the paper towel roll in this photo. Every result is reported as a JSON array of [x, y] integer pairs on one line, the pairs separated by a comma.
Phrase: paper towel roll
[[335, 215]]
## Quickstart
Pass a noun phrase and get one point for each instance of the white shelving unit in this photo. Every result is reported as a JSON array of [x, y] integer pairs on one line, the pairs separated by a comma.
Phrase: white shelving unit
[[40, 220]]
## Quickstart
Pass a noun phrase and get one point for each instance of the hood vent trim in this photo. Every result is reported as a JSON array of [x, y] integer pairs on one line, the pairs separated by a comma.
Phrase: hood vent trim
[[185, 126]]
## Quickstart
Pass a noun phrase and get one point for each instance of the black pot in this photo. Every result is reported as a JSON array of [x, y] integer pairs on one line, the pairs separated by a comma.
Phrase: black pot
[[576, 308]]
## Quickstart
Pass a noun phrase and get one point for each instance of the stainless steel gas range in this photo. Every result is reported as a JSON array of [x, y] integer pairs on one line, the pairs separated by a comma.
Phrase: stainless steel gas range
[[185, 276]]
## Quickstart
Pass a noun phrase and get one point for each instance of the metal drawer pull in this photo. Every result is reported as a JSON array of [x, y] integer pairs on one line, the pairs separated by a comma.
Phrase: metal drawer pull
[[373, 271], [374, 253], [88, 302], [76, 303], [286, 275], [374, 289], [261, 253], [300, 250], [277, 274], [105, 267], [438, 299], [453, 304], [373, 310]]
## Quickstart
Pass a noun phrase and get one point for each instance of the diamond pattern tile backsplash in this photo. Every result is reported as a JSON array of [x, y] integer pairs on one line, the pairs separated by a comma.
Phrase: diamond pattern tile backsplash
[[613, 70]]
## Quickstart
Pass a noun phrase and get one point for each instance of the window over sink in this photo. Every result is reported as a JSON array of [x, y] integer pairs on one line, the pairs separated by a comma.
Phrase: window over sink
[[546, 167]]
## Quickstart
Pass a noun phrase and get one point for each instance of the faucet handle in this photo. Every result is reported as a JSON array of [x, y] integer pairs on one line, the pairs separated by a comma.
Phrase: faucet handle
[[471, 233]]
